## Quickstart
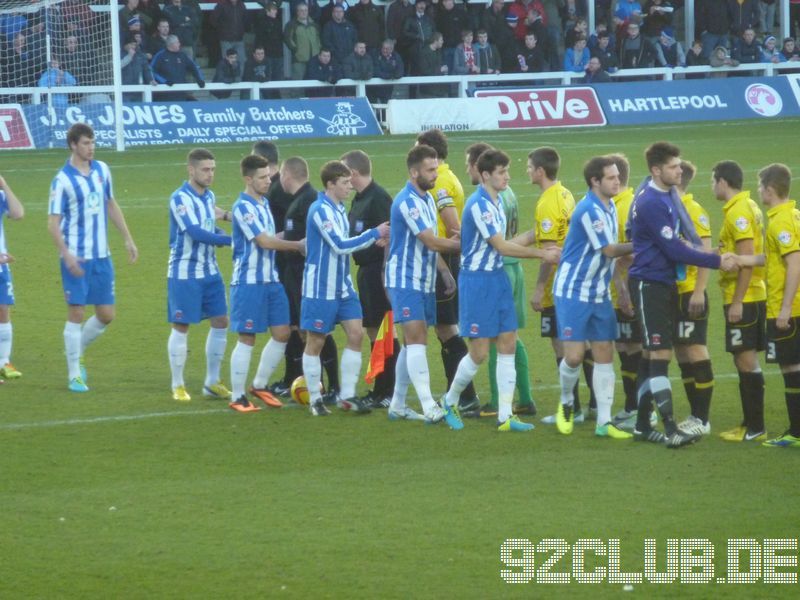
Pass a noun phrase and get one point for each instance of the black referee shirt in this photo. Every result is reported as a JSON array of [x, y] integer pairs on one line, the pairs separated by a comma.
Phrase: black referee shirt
[[371, 207], [295, 225]]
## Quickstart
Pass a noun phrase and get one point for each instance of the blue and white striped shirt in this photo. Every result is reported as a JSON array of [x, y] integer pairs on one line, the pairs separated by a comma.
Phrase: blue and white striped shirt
[[3, 210], [82, 202], [411, 264], [251, 262], [188, 258], [482, 219], [327, 271], [584, 272]]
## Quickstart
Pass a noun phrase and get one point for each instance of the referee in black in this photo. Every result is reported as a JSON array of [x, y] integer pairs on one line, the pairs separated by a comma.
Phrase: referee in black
[[371, 206]]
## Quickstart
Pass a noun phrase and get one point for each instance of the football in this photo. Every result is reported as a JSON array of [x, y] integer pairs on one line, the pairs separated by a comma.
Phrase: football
[[299, 390]]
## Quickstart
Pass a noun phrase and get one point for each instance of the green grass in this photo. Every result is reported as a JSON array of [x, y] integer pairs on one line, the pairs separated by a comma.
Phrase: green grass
[[123, 493]]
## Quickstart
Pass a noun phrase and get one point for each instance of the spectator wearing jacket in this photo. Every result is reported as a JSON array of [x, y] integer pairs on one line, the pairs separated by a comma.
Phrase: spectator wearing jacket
[[746, 48], [302, 38], [339, 35], [135, 69], [171, 66], [322, 68], [183, 22], [789, 50], [268, 35], [465, 60], [576, 59], [595, 72], [54, 76], [743, 14], [369, 22], [228, 71], [635, 51], [769, 51], [487, 56], [713, 21], [230, 18], [417, 30], [531, 59], [522, 9], [450, 21], [605, 53], [657, 15], [429, 63], [158, 41], [669, 52], [358, 65], [388, 65]]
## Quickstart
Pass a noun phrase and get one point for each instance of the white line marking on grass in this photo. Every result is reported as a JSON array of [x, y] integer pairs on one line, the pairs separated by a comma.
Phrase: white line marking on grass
[[183, 413]]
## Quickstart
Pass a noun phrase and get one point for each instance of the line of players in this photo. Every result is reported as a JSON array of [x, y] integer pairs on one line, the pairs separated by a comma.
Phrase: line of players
[[663, 230]]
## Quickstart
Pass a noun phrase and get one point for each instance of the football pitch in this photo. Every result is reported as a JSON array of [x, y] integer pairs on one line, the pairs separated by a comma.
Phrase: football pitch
[[123, 493]]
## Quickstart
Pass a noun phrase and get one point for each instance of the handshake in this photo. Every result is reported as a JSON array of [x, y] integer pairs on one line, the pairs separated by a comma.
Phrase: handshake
[[383, 232], [733, 262]]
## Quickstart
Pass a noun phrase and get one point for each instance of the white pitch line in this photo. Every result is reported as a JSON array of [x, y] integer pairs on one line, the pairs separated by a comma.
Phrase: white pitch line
[[182, 413]]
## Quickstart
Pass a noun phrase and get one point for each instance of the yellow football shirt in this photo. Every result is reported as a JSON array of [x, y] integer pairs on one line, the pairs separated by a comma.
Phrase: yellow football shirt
[[742, 220], [622, 202], [448, 192], [553, 211], [702, 226], [783, 237]]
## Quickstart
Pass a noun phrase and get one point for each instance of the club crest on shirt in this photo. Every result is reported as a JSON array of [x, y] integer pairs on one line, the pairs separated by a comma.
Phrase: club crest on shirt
[[93, 202], [598, 225], [666, 232], [289, 226], [547, 225], [249, 218], [487, 217], [742, 224], [181, 210], [327, 225], [785, 238], [441, 194], [359, 226], [703, 221], [209, 224], [413, 212]]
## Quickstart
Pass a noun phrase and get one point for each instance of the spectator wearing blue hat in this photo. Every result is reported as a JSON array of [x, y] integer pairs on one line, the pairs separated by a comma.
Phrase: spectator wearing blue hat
[[669, 52]]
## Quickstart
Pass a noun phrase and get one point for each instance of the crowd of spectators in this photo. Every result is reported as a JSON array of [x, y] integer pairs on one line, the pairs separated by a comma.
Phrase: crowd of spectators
[[327, 40]]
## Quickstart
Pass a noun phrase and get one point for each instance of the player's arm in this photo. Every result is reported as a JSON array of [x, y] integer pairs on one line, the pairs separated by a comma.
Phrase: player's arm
[[449, 216], [273, 242], [617, 250], [438, 244], [222, 215], [697, 301], [348, 245], [15, 209], [70, 260], [524, 239], [792, 262], [655, 217], [744, 247], [447, 277], [623, 294], [507, 248], [545, 269], [118, 219]]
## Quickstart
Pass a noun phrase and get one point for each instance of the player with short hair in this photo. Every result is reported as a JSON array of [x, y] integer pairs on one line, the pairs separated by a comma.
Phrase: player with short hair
[[11, 206], [328, 294], [371, 206], [448, 194], [783, 301], [81, 202], [258, 299], [553, 212], [744, 296], [691, 319], [657, 220], [629, 330], [513, 269], [582, 296], [410, 279], [486, 311], [195, 290]]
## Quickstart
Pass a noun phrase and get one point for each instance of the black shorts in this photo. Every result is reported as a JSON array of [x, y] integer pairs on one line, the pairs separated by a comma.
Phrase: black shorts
[[783, 345], [629, 330], [654, 303], [750, 332], [447, 306], [548, 322], [689, 331], [371, 294], [293, 284]]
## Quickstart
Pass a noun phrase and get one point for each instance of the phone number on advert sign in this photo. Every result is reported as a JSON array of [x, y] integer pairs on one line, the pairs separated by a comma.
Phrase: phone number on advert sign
[[678, 560]]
